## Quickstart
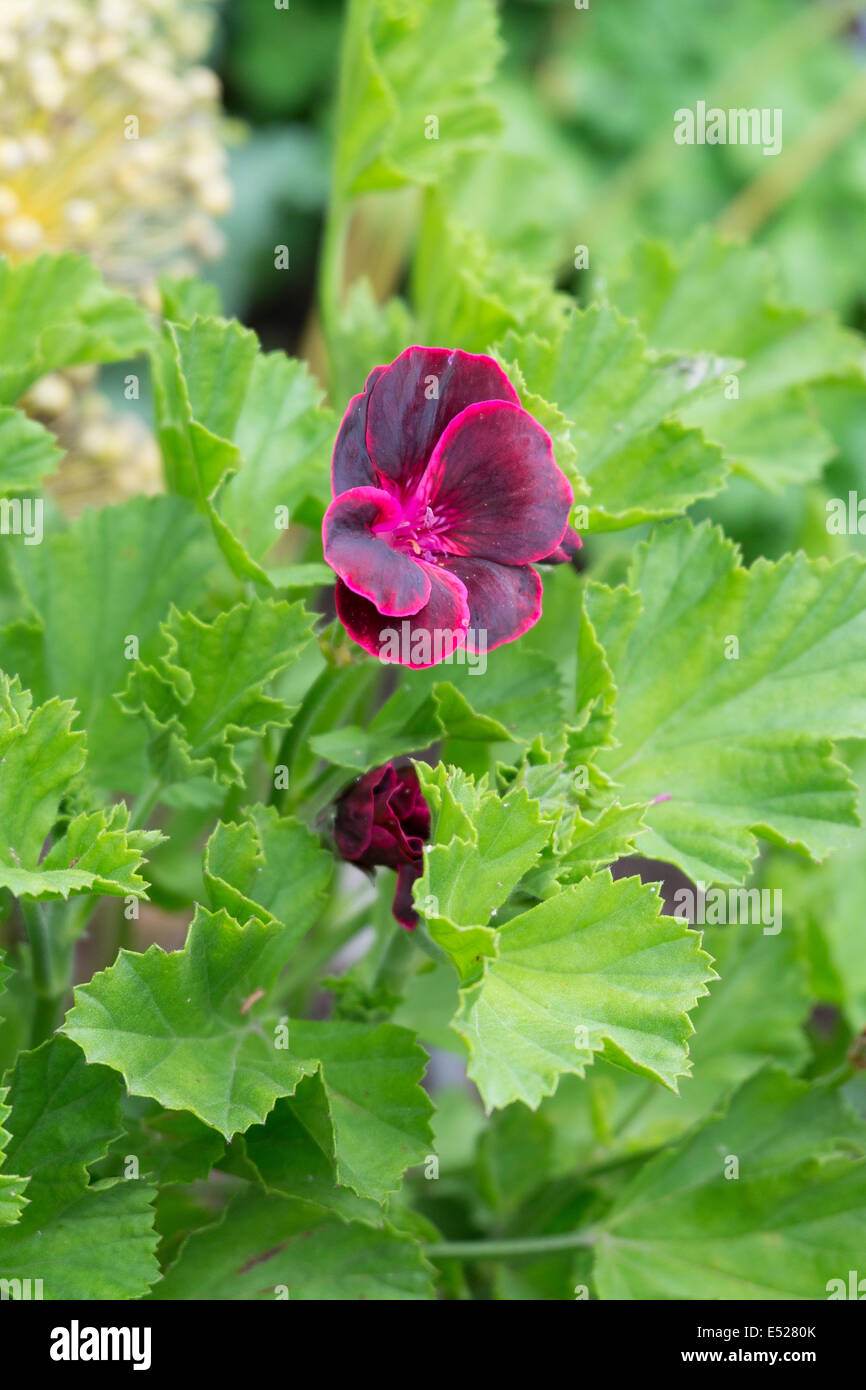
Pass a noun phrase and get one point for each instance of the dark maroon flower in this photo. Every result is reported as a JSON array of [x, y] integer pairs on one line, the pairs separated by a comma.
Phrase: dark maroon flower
[[382, 818], [566, 550], [445, 492]]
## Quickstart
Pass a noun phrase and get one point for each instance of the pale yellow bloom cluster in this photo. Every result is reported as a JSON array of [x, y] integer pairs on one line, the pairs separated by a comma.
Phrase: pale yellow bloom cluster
[[109, 135], [108, 456]]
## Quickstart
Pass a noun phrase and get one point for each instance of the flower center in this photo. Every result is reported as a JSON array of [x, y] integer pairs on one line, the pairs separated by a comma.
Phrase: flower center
[[417, 533]]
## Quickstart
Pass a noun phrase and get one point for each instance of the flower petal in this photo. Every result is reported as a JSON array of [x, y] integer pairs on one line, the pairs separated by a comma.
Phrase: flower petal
[[353, 825], [350, 464], [422, 639], [504, 600], [405, 418], [403, 906], [408, 804], [568, 547], [391, 580], [494, 487]]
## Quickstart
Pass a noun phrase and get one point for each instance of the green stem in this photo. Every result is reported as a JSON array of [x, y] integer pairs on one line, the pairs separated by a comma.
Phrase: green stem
[[142, 807], [611, 1165], [48, 989], [838, 1076], [424, 940], [503, 1249], [332, 264], [323, 789], [41, 955], [332, 268], [396, 961], [321, 951], [78, 915]]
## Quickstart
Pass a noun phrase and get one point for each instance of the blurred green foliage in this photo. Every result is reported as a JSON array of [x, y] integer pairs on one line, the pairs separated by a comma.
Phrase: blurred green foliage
[[587, 155]]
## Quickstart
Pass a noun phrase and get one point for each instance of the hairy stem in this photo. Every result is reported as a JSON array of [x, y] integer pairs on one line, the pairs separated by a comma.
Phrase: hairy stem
[[502, 1249], [320, 951], [49, 987], [142, 807], [396, 962], [331, 269]]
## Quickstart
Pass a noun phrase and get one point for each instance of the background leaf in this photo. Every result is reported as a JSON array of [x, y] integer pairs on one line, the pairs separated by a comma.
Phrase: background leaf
[[83, 1242], [264, 1242], [787, 1224], [594, 969], [175, 1026], [739, 745], [402, 63], [55, 311], [205, 691]]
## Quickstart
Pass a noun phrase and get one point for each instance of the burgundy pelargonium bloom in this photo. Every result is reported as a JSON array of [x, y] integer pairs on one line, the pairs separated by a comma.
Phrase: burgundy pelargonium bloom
[[445, 492], [382, 818]]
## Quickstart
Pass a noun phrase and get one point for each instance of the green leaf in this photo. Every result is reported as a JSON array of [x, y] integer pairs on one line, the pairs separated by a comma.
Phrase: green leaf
[[121, 567], [825, 905], [379, 1113], [518, 691], [366, 335], [105, 854], [418, 714], [171, 1146], [404, 60], [294, 1154], [582, 678], [349, 1132], [41, 757], [503, 702], [311, 575], [724, 298], [754, 1014], [84, 1242], [285, 438], [514, 1152], [616, 415], [205, 691], [188, 298], [265, 1245], [481, 846], [242, 434], [736, 737], [186, 1027], [593, 970], [5, 972], [792, 1220], [28, 453], [12, 1187], [468, 294], [245, 871], [55, 311], [592, 844]]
